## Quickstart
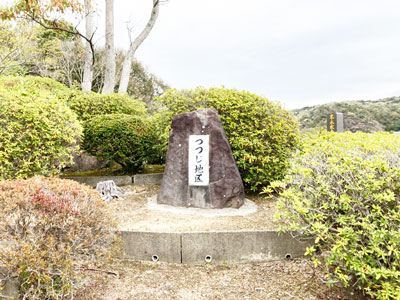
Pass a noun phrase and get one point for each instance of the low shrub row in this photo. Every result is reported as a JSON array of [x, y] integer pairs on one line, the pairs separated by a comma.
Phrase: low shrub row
[[344, 190], [39, 128]]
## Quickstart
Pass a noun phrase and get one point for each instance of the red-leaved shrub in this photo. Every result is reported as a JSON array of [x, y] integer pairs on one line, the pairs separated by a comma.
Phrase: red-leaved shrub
[[50, 230]]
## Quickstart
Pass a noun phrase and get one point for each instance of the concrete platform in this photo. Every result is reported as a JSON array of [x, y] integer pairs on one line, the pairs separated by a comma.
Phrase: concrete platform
[[211, 246], [199, 235]]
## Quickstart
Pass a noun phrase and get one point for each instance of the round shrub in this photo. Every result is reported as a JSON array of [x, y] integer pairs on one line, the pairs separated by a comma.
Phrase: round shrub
[[85, 105], [51, 230], [125, 139], [88, 105], [36, 134], [160, 126], [34, 86], [345, 192], [262, 134]]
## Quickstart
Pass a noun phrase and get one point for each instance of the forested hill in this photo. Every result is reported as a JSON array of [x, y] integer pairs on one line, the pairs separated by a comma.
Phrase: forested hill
[[367, 116]]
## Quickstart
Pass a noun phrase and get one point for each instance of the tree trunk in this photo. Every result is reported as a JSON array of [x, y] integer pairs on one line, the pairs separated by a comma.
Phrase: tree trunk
[[87, 71], [126, 68], [109, 75]]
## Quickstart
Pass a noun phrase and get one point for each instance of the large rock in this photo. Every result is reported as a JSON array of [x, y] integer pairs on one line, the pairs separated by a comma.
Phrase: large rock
[[83, 162], [225, 188]]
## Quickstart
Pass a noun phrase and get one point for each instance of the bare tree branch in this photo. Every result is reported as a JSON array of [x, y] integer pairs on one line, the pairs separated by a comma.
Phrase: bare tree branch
[[126, 68]]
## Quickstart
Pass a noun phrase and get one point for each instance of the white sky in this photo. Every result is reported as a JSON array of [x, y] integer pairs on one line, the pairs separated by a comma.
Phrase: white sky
[[298, 52]]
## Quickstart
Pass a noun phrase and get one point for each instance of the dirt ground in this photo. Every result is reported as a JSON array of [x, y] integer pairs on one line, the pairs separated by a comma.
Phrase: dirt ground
[[134, 213], [276, 280]]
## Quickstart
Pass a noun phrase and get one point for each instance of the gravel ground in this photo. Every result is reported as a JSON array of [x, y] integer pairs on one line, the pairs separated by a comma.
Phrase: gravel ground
[[276, 280], [134, 213]]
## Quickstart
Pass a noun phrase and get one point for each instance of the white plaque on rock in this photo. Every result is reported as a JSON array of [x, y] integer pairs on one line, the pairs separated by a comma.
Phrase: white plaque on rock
[[199, 151]]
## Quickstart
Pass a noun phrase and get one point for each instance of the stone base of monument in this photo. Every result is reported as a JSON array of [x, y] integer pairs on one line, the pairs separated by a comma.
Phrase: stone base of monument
[[154, 232]]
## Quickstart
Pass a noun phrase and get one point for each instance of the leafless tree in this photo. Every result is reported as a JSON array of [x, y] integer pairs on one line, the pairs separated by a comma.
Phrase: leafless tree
[[87, 70], [134, 45], [109, 76]]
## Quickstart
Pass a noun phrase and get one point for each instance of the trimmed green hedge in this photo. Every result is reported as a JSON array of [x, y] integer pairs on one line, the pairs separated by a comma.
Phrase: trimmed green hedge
[[262, 134], [125, 139], [85, 105], [37, 131], [88, 105], [344, 189], [160, 126], [34, 86]]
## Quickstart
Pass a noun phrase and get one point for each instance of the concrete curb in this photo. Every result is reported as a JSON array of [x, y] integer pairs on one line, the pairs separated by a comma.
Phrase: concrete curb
[[138, 179], [93, 180], [147, 179], [215, 246]]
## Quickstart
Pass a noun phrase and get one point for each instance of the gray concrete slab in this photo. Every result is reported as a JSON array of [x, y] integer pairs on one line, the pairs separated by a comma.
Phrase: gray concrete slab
[[218, 246], [146, 179], [140, 245], [239, 246], [93, 180]]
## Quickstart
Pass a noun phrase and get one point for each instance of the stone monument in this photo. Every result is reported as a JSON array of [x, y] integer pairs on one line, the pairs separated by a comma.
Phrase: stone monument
[[200, 169], [335, 122]]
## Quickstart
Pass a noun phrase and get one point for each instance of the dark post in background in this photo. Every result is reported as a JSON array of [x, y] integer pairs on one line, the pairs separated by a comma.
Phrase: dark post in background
[[335, 122]]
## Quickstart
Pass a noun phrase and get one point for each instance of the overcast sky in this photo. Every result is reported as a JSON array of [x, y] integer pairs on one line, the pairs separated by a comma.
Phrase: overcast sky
[[297, 52]]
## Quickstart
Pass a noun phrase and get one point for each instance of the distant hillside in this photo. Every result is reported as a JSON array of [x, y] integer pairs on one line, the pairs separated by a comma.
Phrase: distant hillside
[[367, 116]]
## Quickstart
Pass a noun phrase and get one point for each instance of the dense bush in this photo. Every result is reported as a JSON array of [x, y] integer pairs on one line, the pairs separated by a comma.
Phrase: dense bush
[[262, 135], [34, 86], [125, 139], [39, 126], [345, 191], [51, 230], [88, 105], [85, 105], [36, 130], [160, 127]]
